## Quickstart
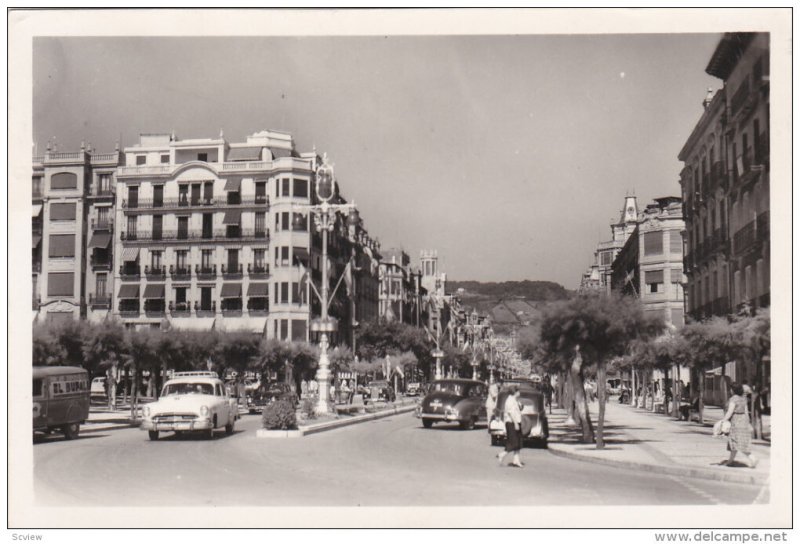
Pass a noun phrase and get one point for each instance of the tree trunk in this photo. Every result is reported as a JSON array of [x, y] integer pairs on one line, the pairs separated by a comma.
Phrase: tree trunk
[[634, 388], [676, 394], [569, 400], [601, 399], [702, 392], [134, 394], [581, 404]]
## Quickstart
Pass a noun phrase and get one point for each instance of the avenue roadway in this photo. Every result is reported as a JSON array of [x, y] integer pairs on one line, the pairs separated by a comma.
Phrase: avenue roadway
[[385, 462]]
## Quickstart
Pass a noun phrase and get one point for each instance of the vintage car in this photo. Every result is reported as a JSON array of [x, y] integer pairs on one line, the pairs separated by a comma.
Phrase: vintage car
[[454, 400], [534, 417], [60, 399], [523, 383], [98, 388], [413, 389], [191, 401], [270, 393], [379, 390]]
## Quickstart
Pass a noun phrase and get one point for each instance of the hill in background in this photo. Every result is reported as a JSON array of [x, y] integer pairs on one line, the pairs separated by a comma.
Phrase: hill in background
[[511, 304]]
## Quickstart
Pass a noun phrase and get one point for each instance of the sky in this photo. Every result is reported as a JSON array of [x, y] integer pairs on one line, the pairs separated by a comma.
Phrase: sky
[[510, 155]]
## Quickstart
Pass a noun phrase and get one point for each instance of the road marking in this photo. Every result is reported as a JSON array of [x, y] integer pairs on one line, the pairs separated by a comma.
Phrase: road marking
[[761, 498], [696, 490]]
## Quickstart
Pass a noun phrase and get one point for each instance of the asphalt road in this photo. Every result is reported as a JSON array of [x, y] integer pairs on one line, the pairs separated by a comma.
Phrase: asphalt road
[[391, 461]]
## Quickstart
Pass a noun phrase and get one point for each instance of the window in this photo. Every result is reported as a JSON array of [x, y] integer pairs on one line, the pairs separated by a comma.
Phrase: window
[[654, 279], [676, 276], [37, 388], [180, 295], [208, 225], [183, 195], [277, 189], [285, 221], [285, 256], [261, 192], [196, 194], [37, 187], [155, 260], [102, 217], [258, 258], [183, 228], [300, 188], [653, 243], [141, 160], [62, 211], [233, 260], [277, 259], [284, 292], [299, 329], [60, 284], [605, 258], [62, 245], [206, 258], [284, 329], [101, 285], [261, 223], [158, 222], [208, 192], [205, 298], [104, 181], [164, 159], [285, 186], [133, 196], [64, 180], [158, 196], [180, 259], [675, 242], [202, 157]]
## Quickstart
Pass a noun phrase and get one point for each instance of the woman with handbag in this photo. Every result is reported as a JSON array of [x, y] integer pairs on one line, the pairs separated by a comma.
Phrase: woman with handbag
[[512, 416], [741, 432]]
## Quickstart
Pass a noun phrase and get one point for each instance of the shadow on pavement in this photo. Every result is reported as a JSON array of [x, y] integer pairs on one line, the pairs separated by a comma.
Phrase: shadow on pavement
[[56, 438]]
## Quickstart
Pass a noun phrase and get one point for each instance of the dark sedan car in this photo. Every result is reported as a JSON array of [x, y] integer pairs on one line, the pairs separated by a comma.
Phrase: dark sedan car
[[269, 393], [454, 400], [534, 417], [379, 390]]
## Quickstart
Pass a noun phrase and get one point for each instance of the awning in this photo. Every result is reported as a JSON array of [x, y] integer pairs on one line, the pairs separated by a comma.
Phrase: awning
[[232, 217], [231, 290], [37, 209], [244, 154], [100, 240], [233, 184], [154, 290], [260, 289], [129, 290], [301, 255], [37, 239], [130, 254], [279, 153]]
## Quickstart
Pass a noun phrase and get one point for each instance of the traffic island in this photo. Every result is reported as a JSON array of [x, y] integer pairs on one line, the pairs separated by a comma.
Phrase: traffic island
[[331, 424]]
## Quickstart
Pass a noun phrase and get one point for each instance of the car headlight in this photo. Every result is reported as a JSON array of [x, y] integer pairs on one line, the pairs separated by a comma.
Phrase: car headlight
[[146, 411], [204, 410]]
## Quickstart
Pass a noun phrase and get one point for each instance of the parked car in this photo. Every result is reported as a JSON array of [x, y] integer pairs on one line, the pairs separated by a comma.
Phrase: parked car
[[454, 400], [270, 393], [60, 399], [98, 387], [523, 383], [191, 401], [413, 389], [379, 390], [534, 417]]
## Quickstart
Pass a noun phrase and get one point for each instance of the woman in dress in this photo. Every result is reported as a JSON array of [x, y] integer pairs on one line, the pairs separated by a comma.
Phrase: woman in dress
[[512, 416], [491, 402], [740, 437]]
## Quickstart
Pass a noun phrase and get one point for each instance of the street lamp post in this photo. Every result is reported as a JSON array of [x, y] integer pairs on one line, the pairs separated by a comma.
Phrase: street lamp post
[[325, 220], [438, 354]]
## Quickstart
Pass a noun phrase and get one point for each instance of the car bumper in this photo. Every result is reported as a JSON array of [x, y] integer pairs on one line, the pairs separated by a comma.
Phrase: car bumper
[[438, 417], [499, 429], [188, 425]]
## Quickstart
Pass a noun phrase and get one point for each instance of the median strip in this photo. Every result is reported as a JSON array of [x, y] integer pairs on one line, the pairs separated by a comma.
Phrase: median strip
[[305, 430]]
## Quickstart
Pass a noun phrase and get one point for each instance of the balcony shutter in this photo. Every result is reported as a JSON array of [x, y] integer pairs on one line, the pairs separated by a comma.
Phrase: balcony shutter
[[676, 276], [64, 180], [653, 243], [654, 276], [62, 211], [675, 241], [62, 245], [61, 284]]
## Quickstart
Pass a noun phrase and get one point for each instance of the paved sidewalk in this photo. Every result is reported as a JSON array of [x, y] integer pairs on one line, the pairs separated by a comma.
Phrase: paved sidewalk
[[642, 440]]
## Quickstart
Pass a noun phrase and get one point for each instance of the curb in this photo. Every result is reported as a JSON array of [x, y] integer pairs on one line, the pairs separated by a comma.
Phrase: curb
[[688, 472], [331, 425], [88, 429]]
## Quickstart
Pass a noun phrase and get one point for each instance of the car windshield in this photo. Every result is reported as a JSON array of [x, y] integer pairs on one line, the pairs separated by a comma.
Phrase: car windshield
[[188, 389], [449, 387]]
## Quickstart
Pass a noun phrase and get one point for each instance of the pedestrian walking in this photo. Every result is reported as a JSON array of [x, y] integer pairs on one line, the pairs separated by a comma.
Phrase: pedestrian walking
[[548, 393], [512, 417], [491, 401], [741, 433]]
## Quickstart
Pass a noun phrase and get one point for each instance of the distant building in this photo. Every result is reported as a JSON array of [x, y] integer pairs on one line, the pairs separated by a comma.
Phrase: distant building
[[401, 288], [598, 276]]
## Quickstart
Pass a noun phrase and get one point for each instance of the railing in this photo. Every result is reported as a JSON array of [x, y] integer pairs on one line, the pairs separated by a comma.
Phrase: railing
[[37, 159], [258, 312], [204, 273], [257, 270], [155, 273], [100, 301], [762, 226], [64, 156], [131, 273], [143, 170], [106, 224], [207, 311], [232, 272], [105, 157], [180, 309], [180, 273], [196, 235], [249, 165], [188, 202], [744, 238], [107, 191], [232, 312], [129, 312], [740, 96], [100, 263]]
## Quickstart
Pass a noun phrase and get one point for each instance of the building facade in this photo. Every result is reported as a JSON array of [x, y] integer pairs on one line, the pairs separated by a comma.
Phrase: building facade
[[72, 226], [725, 184], [598, 275], [401, 289]]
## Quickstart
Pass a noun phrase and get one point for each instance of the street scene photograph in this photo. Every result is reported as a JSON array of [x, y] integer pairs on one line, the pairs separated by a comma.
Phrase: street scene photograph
[[464, 268]]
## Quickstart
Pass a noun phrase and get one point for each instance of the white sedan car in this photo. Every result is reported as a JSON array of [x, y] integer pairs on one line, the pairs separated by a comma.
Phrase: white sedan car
[[191, 401]]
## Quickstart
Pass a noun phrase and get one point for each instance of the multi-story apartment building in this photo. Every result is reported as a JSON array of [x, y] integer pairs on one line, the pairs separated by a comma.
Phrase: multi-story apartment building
[[598, 276], [400, 288], [725, 184], [437, 302], [650, 264], [72, 226], [194, 247]]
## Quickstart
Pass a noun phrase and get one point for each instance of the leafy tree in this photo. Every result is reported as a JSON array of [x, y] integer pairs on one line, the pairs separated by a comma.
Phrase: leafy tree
[[234, 351], [47, 350], [587, 332], [341, 358], [70, 336], [379, 339], [103, 347]]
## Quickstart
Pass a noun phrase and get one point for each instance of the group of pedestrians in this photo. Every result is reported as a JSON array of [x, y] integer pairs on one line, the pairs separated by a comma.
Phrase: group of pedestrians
[[512, 419]]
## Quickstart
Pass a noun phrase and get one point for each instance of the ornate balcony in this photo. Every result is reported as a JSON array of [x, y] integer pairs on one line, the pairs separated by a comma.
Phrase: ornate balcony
[[744, 238], [98, 262], [99, 301], [186, 202], [208, 311], [155, 273], [180, 309], [130, 273], [196, 236], [232, 272], [205, 273], [180, 274], [257, 271], [105, 224]]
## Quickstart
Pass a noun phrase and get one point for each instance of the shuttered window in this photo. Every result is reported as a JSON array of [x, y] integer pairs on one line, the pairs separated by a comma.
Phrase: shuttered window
[[64, 180], [653, 243], [676, 276], [654, 276], [62, 245], [62, 211], [60, 284], [675, 241], [299, 330]]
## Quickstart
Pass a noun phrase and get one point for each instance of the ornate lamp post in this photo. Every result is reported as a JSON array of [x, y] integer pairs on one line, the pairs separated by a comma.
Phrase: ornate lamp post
[[325, 219]]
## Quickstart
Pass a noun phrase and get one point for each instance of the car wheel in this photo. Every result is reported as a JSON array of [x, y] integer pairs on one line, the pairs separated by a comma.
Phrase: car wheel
[[229, 429], [71, 431], [468, 424], [427, 423], [153, 435]]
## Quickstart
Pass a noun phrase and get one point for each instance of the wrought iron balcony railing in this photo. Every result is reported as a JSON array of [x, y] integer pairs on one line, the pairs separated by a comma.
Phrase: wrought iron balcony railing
[[99, 301], [195, 235], [187, 201]]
